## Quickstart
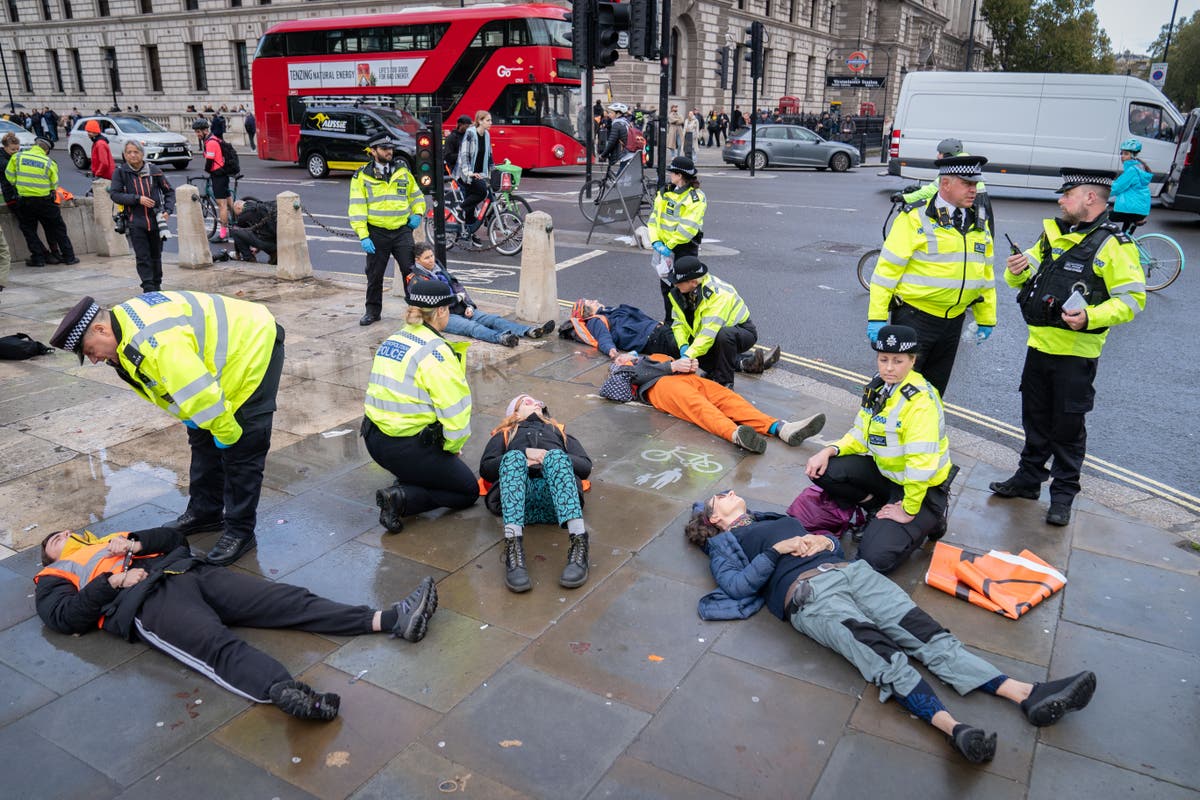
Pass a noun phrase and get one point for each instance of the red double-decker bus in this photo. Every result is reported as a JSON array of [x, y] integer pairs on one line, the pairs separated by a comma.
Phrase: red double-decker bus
[[514, 61]]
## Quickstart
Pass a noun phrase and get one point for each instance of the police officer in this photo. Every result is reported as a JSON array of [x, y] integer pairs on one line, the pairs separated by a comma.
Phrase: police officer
[[947, 148], [212, 362], [418, 412], [677, 222], [896, 459], [35, 177], [1081, 277], [712, 324], [935, 264], [385, 206]]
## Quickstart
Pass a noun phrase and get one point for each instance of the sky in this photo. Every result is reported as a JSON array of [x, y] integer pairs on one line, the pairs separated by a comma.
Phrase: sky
[[1133, 24]]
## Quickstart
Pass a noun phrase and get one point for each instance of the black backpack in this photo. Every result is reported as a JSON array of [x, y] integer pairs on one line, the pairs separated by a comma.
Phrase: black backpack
[[19, 347], [232, 165]]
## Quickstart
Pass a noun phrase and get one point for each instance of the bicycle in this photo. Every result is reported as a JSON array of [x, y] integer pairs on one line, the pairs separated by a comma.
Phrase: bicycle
[[505, 228], [700, 462], [595, 188], [1161, 257], [208, 203], [505, 179], [867, 262]]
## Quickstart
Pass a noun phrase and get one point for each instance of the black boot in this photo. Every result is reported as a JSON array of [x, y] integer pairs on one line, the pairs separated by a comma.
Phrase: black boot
[[575, 573], [516, 577], [304, 702], [188, 523], [391, 504], [974, 744], [229, 548]]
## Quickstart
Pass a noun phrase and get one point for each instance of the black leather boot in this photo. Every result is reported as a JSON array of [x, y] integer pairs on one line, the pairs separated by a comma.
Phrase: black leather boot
[[230, 548], [575, 573], [188, 523], [516, 577]]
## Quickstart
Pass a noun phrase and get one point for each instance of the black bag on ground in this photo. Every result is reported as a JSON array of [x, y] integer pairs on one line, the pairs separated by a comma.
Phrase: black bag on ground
[[19, 347]]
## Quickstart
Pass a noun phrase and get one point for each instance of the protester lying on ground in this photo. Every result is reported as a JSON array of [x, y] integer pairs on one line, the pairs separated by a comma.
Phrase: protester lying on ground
[[613, 329]]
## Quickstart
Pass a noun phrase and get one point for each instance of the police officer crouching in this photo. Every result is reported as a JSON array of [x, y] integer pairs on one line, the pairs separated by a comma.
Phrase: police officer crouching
[[418, 412], [1081, 277], [385, 206]]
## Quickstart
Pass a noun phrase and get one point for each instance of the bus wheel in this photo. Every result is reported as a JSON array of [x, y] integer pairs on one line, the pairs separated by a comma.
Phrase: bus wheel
[[318, 167]]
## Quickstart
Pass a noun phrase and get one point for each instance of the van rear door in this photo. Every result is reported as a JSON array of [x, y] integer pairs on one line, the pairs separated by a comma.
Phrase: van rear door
[[1152, 122], [1182, 189]]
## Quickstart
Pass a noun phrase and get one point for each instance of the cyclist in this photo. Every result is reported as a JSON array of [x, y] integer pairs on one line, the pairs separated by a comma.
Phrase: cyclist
[[948, 148], [1131, 190], [615, 150], [474, 166], [677, 221], [214, 165]]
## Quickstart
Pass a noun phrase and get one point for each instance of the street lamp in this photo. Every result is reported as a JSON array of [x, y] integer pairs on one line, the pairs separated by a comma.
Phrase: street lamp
[[110, 60]]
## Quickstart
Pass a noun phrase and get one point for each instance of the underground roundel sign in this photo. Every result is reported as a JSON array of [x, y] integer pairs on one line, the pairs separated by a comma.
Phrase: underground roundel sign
[[857, 61]]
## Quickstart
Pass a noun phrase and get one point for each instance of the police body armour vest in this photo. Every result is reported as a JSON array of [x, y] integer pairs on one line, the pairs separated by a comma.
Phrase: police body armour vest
[[1042, 296]]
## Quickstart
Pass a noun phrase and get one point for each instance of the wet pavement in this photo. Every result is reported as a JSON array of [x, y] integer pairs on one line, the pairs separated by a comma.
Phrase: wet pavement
[[613, 690]]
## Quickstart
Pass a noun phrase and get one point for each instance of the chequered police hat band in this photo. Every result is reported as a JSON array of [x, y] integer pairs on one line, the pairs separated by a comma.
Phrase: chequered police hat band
[[1087, 177], [429, 300], [81, 327], [962, 170]]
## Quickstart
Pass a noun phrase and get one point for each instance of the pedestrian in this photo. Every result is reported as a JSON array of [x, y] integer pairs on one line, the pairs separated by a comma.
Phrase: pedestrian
[[147, 586], [936, 263], [38, 252], [149, 201], [1131, 189], [101, 157], [722, 128], [712, 324], [474, 169], [214, 164], [1080, 278], [804, 579], [453, 143], [418, 412], [50, 123], [35, 176], [535, 473], [251, 127], [691, 132], [219, 124], [212, 362], [386, 205], [674, 132], [895, 461], [256, 229], [616, 150], [711, 127], [676, 225]]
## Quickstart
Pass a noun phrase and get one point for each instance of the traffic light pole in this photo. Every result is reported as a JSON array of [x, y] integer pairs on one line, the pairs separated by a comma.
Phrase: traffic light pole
[[589, 136], [439, 193], [664, 85], [753, 119]]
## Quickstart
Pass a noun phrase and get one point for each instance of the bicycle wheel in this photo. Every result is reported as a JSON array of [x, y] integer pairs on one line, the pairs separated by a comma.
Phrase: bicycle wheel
[[588, 196], [1162, 260], [658, 455], [507, 232], [866, 265], [516, 204], [430, 233], [212, 217], [704, 466]]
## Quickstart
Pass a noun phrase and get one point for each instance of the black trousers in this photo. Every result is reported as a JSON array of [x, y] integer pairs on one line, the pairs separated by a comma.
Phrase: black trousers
[[721, 360], [35, 210], [187, 616], [147, 253], [937, 338], [231, 479], [689, 248], [885, 544], [473, 193], [1125, 218], [37, 250], [244, 239], [1056, 394], [388, 243], [661, 340], [430, 477]]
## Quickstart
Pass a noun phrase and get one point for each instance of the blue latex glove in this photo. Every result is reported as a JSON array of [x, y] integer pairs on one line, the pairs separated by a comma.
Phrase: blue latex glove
[[873, 329], [368, 247], [683, 351], [982, 332], [661, 249], [221, 445], [191, 424], [414, 221]]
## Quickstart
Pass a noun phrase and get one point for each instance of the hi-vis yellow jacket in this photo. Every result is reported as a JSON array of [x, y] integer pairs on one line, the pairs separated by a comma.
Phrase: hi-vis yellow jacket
[[907, 439], [720, 306], [418, 378], [383, 203], [678, 215], [32, 173], [932, 266], [196, 356]]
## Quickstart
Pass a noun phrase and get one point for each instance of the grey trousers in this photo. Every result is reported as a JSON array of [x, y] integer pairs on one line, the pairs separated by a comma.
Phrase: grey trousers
[[876, 626]]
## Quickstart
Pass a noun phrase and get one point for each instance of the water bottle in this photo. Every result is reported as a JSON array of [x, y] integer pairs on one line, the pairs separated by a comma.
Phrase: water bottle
[[970, 331]]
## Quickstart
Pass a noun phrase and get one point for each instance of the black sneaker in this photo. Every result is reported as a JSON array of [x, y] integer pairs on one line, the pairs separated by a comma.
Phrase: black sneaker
[[1059, 514], [229, 548], [1014, 488], [391, 502], [747, 438], [974, 744], [368, 319], [414, 611], [71, 261], [509, 339], [541, 330], [189, 523], [304, 702], [1050, 701]]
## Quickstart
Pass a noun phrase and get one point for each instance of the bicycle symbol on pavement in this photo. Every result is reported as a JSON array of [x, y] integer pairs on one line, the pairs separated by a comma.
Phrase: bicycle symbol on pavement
[[482, 275], [697, 462]]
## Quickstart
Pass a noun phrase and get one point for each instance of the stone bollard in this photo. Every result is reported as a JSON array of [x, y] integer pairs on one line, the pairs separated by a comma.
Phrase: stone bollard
[[108, 241], [291, 241], [538, 297], [398, 280], [194, 252]]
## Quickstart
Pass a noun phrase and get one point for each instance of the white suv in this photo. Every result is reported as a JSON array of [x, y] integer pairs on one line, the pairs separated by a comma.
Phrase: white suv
[[162, 146]]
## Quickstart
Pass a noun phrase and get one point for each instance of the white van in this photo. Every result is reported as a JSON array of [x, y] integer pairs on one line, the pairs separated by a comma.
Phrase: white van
[[1029, 125]]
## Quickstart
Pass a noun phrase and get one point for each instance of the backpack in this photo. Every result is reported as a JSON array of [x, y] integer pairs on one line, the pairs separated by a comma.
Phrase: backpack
[[635, 142], [232, 165], [819, 513], [19, 347]]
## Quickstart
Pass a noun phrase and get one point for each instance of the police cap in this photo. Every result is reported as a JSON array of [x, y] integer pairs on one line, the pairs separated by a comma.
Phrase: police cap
[[383, 140], [896, 339], [683, 165], [1079, 177], [430, 294], [966, 167], [687, 268], [69, 335]]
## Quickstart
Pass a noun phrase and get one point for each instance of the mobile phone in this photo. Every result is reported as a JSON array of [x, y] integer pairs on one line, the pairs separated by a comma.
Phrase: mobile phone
[[1075, 302], [1012, 246]]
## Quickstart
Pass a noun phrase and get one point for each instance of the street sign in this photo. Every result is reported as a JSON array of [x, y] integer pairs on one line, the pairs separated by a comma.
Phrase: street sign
[[1158, 74], [857, 61], [854, 82]]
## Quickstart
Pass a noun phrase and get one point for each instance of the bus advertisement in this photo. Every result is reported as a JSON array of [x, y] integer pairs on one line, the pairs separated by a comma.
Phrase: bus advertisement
[[511, 60]]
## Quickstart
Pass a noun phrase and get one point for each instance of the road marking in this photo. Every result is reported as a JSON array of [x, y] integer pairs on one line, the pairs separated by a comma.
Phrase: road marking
[[781, 205], [579, 259]]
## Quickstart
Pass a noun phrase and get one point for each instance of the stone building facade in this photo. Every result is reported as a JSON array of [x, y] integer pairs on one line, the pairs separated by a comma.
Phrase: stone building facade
[[173, 53]]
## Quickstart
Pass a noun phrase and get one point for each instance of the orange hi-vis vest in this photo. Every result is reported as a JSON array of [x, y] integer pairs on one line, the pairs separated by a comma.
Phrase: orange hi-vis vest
[[1001, 582], [582, 333], [81, 565]]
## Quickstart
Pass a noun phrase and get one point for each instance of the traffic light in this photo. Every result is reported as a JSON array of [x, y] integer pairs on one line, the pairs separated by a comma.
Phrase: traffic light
[[642, 29], [608, 26], [580, 18], [425, 160], [754, 49], [723, 67]]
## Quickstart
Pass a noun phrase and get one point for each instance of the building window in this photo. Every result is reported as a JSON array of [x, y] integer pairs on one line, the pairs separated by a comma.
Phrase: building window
[[56, 70], [102, 8], [235, 3], [147, 6], [812, 14], [199, 70], [832, 12], [13, 14], [810, 76], [68, 13], [23, 65], [767, 12], [264, 2], [241, 58], [77, 64], [156, 84], [192, 5], [46, 9], [114, 77]]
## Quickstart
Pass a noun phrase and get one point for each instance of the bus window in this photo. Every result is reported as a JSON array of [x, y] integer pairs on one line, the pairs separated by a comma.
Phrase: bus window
[[306, 43], [551, 32], [417, 37], [557, 105], [517, 105], [504, 33]]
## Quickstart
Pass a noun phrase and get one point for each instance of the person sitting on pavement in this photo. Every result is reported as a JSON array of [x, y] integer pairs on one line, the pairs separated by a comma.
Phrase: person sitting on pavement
[[712, 324], [254, 229], [673, 387], [465, 317], [613, 329], [418, 412], [804, 579], [536, 471], [895, 462], [148, 586]]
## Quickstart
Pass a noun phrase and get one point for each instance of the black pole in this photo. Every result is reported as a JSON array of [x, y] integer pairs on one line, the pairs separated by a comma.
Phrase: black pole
[[753, 118], [439, 187], [589, 140], [737, 58], [1170, 29], [11, 105], [971, 37], [664, 86]]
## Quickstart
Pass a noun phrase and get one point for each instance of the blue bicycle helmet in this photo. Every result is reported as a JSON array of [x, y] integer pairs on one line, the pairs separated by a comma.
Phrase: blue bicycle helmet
[[1132, 145]]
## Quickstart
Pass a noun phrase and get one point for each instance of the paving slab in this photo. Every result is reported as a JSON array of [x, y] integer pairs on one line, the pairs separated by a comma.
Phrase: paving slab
[[38, 768], [536, 734], [312, 460], [302, 529], [1133, 541], [746, 731], [196, 771], [298, 651], [16, 594], [630, 779], [106, 418], [671, 554], [686, 463], [1059, 775], [20, 696], [307, 407], [421, 773], [60, 661], [982, 521], [442, 539]]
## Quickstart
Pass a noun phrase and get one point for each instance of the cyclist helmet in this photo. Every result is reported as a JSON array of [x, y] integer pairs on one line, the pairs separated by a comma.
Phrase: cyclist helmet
[[620, 108], [1131, 145], [200, 124], [950, 147]]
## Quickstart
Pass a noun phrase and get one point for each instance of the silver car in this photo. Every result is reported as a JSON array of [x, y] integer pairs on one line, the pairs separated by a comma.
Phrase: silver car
[[788, 146], [23, 135], [162, 146]]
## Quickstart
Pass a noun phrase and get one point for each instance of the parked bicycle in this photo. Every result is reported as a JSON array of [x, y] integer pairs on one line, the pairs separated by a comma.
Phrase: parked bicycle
[[208, 202], [866, 264], [505, 228], [1161, 257], [593, 190]]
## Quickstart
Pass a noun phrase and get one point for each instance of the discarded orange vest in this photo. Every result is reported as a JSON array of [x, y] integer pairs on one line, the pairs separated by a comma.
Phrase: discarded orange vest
[[998, 581], [61, 196]]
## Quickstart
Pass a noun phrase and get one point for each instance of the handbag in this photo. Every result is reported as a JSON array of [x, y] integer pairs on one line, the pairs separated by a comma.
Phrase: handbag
[[20, 346], [618, 385]]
